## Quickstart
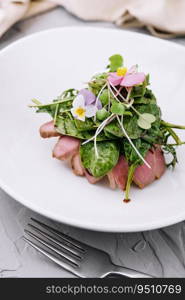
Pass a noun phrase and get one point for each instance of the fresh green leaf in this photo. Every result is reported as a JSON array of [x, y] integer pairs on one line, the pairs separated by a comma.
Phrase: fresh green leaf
[[102, 114], [110, 136], [116, 61], [62, 106], [128, 113], [169, 149], [65, 106], [138, 91], [104, 97], [114, 129], [83, 126], [68, 93], [108, 154], [96, 84], [151, 109], [98, 76], [147, 80], [147, 98], [118, 108], [37, 102], [144, 100], [130, 154], [145, 120], [131, 126], [50, 109], [66, 126], [148, 117]]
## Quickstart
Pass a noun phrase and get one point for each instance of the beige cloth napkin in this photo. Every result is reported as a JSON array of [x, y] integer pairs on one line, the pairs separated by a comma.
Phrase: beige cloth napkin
[[163, 18]]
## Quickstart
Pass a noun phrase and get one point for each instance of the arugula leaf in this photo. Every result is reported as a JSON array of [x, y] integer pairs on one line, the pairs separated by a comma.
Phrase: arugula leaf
[[65, 106], [106, 160], [50, 109], [170, 149], [138, 91], [65, 125], [68, 93], [83, 126], [116, 61], [61, 106], [147, 98]]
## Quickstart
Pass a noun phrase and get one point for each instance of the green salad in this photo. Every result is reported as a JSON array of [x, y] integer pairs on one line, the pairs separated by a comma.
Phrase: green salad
[[115, 115]]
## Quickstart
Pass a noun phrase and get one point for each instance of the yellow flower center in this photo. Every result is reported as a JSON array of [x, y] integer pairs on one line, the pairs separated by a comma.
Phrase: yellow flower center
[[121, 71], [80, 111]]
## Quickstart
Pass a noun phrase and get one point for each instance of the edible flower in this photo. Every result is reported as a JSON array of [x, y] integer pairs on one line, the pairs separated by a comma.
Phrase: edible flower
[[85, 105], [126, 78]]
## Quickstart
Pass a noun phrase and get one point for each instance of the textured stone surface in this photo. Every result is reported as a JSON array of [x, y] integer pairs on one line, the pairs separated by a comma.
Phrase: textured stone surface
[[159, 252]]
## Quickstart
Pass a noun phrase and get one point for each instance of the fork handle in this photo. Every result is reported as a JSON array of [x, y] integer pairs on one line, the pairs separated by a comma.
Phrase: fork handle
[[129, 272]]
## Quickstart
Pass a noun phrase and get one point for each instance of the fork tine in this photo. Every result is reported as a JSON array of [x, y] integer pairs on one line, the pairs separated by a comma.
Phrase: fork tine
[[51, 256], [69, 240], [56, 242], [63, 255]]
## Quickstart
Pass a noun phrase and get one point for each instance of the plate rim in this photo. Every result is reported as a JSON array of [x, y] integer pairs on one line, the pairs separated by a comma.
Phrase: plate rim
[[72, 222]]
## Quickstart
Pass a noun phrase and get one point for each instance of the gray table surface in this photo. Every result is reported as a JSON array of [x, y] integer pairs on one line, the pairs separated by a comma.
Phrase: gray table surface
[[158, 252]]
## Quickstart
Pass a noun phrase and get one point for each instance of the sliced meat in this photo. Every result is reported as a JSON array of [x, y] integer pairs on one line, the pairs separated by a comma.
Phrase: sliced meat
[[66, 147], [91, 178], [120, 172], [76, 165], [160, 165], [48, 130], [111, 179], [143, 175]]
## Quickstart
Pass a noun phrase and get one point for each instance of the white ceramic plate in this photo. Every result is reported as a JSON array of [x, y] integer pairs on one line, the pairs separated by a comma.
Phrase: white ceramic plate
[[42, 66]]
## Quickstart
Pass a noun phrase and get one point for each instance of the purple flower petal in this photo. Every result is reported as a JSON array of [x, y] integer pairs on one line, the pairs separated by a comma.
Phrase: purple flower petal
[[114, 79], [99, 105], [89, 96], [90, 111], [132, 79]]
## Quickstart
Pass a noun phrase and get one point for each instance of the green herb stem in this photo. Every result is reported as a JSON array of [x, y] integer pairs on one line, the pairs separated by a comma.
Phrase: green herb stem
[[128, 95], [135, 110], [117, 92], [183, 143], [170, 125], [53, 103], [175, 136], [129, 180]]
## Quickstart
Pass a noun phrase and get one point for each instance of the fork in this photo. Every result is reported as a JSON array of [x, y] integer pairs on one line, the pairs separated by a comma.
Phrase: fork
[[76, 257]]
